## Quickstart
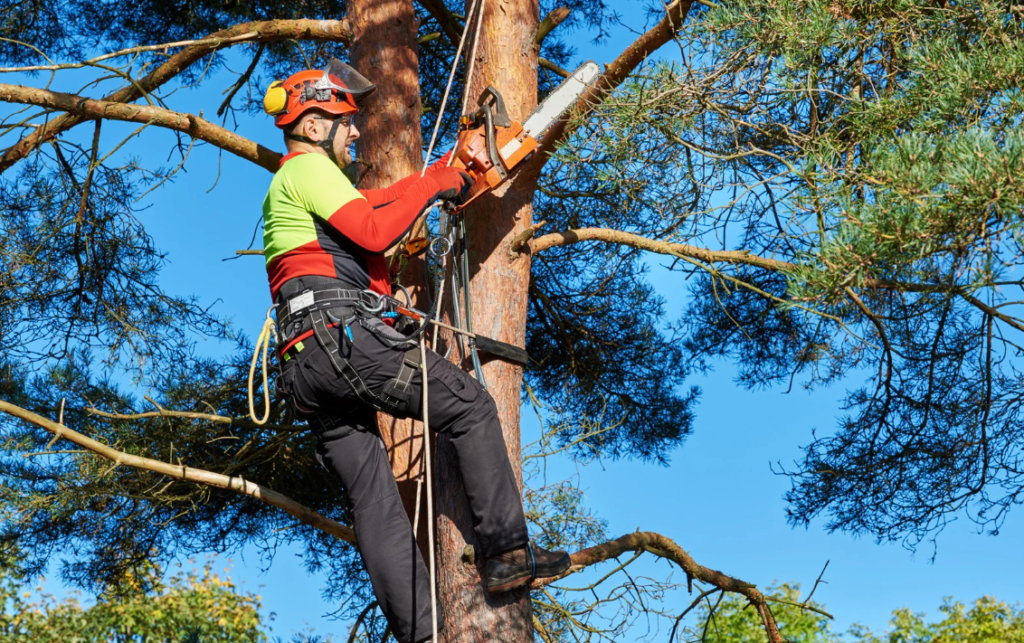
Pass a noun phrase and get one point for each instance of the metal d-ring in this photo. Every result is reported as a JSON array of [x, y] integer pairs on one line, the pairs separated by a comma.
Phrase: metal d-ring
[[375, 309], [432, 248]]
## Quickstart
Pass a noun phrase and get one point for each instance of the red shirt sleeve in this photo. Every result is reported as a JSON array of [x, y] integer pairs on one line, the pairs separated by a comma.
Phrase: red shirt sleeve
[[383, 196], [377, 229]]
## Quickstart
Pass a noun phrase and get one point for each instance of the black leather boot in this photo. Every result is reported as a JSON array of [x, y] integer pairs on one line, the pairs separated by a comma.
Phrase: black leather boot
[[520, 566]]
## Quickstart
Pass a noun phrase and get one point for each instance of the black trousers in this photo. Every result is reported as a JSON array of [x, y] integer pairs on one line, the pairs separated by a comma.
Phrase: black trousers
[[459, 407]]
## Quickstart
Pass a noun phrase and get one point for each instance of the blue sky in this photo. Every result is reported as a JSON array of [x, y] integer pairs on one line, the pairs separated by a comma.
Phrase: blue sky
[[717, 499]]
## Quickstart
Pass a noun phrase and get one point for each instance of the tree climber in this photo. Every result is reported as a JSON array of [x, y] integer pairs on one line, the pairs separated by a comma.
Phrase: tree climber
[[324, 243]]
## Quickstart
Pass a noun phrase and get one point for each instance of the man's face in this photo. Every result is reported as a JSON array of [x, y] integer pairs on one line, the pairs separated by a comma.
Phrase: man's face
[[319, 128], [344, 140]]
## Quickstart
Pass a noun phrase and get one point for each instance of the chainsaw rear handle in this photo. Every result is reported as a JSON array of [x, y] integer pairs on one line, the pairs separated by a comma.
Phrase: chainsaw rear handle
[[500, 115], [492, 145]]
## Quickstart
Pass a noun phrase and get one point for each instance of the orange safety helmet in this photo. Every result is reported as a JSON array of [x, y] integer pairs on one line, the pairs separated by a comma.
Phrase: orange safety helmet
[[338, 90]]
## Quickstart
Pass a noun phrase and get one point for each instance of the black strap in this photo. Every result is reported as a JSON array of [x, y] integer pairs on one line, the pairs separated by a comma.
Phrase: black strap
[[326, 145], [340, 364], [308, 301], [396, 395]]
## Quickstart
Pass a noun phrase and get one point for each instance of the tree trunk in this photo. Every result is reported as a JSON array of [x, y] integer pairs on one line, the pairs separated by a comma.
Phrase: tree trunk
[[384, 50], [506, 59]]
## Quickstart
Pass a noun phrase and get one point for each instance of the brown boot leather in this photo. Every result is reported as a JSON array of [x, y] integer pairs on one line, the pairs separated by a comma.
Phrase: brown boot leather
[[520, 566]]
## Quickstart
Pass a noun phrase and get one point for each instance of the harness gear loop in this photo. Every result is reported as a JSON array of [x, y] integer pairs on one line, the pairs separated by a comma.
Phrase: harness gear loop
[[268, 332]]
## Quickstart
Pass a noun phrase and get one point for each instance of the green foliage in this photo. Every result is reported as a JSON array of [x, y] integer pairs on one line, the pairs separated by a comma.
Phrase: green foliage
[[873, 151], [201, 605], [987, 620], [728, 619]]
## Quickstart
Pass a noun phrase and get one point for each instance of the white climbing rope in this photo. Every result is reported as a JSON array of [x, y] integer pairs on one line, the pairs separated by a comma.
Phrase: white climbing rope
[[430, 496], [427, 473], [451, 77]]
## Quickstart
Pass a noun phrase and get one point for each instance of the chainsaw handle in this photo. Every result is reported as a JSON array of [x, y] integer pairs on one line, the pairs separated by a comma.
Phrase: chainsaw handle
[[500, 114], [492, 144]]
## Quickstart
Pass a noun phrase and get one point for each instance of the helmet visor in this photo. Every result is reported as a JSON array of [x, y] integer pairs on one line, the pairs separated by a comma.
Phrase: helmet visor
[[351, 81]]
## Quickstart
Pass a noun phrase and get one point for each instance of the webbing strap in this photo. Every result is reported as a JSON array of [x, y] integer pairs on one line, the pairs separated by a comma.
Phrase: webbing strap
[[340, 364], [397, 393]]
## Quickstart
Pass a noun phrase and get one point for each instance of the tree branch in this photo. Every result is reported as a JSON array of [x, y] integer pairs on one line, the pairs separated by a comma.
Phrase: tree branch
[[550, 66], [187, 474], [195, 126], [193, 415], [548, 24], [665, 548], [607, 235], [615, 73], [265, 31], [449, 25]]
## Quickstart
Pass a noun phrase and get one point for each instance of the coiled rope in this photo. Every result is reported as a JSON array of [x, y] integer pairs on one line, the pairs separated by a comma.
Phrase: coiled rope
[[267, 333]]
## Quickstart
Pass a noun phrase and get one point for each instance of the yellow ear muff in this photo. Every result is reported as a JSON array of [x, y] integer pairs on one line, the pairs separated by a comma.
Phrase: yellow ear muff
[[275, 101]]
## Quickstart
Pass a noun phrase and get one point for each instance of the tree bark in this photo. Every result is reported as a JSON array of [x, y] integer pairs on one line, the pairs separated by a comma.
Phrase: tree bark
[[506, 59], [384, 50]]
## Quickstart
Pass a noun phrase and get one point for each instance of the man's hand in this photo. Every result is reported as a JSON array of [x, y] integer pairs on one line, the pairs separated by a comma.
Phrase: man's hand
[[454, 184]]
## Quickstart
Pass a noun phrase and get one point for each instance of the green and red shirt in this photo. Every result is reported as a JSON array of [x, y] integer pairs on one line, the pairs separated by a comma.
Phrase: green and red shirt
[[316, 223]]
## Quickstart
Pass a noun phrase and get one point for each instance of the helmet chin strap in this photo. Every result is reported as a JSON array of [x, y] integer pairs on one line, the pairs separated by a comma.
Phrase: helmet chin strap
[[326, 145]]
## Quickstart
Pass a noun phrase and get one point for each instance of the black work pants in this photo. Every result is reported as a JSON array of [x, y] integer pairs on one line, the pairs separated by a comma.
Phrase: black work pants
[[459, 407]]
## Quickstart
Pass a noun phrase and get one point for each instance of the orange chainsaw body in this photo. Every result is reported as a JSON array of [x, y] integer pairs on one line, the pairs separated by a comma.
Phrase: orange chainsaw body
[[512, 146]]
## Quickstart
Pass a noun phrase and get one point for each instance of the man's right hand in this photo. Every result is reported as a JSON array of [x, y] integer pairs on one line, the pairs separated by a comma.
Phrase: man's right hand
[[454, 184]]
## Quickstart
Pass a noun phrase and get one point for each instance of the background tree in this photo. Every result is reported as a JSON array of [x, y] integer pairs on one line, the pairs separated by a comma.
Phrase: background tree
[[835, 211], [192, 605], [986, 619]]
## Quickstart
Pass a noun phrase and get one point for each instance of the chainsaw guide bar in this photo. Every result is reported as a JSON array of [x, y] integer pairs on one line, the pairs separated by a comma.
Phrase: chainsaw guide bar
[[491, 146]]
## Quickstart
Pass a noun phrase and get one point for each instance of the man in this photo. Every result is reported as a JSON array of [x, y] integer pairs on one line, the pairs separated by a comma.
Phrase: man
[[324, 244]]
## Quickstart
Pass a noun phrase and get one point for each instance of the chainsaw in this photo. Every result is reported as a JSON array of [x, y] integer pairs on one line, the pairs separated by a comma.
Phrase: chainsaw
[[491, 146]]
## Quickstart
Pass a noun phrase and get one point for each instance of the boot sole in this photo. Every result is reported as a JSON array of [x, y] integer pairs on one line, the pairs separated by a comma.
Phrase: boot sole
[[525, 577], [510, 583]]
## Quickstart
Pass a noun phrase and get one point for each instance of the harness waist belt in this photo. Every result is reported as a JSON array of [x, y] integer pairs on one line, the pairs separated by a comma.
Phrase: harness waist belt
[[295, 309]]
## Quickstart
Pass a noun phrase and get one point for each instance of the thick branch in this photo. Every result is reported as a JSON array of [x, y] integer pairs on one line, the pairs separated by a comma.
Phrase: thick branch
[[548, 24], [665, 548], [606, 235], [194, 126], [615, 73], [265, 31], [187, 474]]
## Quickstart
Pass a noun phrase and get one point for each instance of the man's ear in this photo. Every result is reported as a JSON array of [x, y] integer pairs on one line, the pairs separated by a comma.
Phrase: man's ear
[[306, 126]]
